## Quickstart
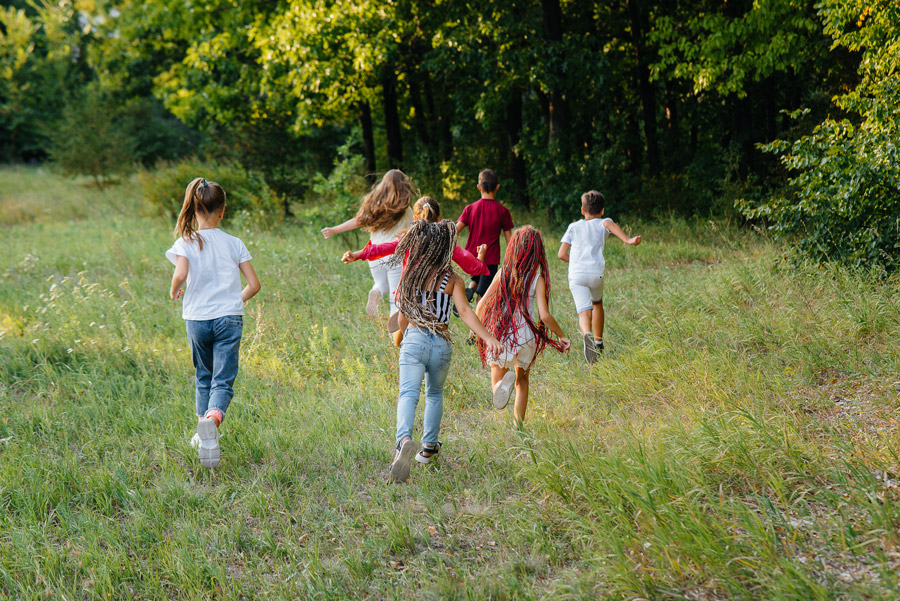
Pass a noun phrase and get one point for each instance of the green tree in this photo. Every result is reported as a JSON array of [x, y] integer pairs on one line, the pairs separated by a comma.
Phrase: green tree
[[842, 200]]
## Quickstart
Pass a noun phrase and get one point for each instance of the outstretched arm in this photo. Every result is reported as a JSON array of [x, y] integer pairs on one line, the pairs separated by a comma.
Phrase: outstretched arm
[[546, 317], [350, 224], [618, 233]]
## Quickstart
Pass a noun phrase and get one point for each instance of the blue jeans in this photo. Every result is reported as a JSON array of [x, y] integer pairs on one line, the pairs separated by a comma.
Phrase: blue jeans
[[423, 356], [214, 349]]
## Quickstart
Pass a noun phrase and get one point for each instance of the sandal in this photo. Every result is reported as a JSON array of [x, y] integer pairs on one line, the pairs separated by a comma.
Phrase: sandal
[[432, 451]]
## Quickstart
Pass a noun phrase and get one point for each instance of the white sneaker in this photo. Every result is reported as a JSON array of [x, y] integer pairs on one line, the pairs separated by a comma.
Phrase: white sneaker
[[372, 303], [208, 450], [195, 441], [504, 389]]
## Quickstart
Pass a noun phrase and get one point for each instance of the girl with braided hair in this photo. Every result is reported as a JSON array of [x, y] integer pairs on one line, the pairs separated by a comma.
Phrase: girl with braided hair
[[508, 311], [211, 263], [384, 212], [426, 291]]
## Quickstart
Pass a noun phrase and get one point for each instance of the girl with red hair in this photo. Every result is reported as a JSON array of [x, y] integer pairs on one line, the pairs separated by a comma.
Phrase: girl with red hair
[[515, 309]]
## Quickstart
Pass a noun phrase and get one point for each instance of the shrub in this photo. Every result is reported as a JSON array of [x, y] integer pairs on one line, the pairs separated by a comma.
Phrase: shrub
[[249, 197], [336, 198], [90, 138], [843, 198]]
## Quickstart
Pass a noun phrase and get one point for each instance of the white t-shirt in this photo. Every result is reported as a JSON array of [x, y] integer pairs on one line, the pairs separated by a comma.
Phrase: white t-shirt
[[214, 279], [587, 238], [382, 236]]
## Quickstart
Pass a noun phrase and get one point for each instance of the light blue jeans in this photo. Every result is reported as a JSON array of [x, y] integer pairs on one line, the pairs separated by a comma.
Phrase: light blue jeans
[[214, 349], [423, 356]]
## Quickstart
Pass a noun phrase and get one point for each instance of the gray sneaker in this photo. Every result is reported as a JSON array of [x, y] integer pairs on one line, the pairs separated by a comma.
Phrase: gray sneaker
[[400, 467], [209, 443], [590, 349], [372, 302]]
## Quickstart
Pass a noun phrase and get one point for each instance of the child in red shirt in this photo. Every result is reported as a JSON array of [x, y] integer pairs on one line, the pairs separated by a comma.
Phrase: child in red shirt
[[485, 220]]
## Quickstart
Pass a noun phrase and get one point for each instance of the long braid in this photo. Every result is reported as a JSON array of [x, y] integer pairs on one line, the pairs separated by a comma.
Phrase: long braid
[[525, 260], [430, 247]]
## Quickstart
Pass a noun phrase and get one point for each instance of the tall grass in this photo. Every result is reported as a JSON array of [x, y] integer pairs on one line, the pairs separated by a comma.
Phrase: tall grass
[[737, 440]]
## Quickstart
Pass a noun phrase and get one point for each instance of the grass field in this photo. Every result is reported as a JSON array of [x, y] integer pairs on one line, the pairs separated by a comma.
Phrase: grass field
[[737, 441]]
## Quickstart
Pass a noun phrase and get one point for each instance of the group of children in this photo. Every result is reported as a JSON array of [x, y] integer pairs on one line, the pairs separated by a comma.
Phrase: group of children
[[410, 253]]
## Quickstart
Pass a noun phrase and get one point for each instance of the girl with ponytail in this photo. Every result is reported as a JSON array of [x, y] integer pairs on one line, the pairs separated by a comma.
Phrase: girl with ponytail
[[515, 309], [210, 262]]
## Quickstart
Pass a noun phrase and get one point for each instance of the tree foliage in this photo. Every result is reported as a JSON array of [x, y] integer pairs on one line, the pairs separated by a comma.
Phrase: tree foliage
[[842, 201]]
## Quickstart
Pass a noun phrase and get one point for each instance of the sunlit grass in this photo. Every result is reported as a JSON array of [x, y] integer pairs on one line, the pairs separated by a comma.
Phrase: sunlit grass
[[737, 440]]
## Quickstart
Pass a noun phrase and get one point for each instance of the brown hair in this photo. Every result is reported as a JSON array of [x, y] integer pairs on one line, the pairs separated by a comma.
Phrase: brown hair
[[524, 261], [592, 202], [430, 246], [384, 205], [487, 181], [427, 208], [202, 197]]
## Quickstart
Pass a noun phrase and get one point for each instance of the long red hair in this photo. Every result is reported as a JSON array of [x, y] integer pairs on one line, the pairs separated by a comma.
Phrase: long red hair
[[525, 260]]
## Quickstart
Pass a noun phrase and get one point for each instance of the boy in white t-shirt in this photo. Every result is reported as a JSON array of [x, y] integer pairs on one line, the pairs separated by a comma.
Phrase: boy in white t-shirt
[[582, 248]]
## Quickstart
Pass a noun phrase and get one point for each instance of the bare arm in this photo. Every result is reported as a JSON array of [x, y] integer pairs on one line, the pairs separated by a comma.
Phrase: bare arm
[[618, 233], [507, 234], [564, 251], [350, 256], [492, 290], [252, 281], [350, 224], [178, 278], [546, 317], [460, 226], [468, 317]]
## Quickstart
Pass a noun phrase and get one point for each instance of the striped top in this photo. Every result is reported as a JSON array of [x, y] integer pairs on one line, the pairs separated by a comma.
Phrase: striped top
[[439, 302]]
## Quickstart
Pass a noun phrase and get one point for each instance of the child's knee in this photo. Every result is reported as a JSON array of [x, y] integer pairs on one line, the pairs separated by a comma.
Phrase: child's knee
[[597, 303]]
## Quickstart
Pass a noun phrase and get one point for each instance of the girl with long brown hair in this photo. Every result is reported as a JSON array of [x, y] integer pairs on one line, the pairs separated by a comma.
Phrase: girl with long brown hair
[[516, 310], [426, 292], [211, 263], [384, 212]]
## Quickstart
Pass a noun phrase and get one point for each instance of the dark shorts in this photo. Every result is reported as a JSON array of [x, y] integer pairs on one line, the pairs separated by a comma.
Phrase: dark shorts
[[484, 281]]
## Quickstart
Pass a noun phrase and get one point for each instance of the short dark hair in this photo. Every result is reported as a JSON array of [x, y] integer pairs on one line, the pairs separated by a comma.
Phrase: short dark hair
[[487, 180], [592, 202]]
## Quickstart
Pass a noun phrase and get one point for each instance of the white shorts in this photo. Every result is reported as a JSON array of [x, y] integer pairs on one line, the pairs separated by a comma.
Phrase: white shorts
[[522, 356], [586, 289]]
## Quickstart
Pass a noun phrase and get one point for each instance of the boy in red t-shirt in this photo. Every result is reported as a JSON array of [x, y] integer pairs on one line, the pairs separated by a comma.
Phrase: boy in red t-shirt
[[485, 220]]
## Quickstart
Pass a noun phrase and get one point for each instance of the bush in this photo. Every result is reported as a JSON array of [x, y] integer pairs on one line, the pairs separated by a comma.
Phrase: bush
[[843, 198], [91, 139], [249, 197], [336, 198]]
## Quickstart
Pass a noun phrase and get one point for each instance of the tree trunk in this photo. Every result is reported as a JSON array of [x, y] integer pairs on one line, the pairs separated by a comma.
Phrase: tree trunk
[[440, 111], [517, 166], [645, 89], [391, 119], [420, 119], [368, 140], [558, 105]]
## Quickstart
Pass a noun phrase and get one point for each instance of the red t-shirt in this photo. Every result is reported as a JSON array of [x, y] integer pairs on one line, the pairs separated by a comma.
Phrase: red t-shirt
[[486, 220]]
